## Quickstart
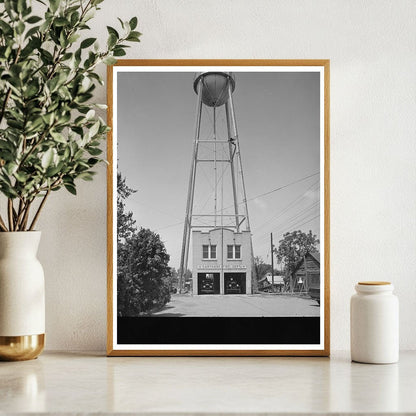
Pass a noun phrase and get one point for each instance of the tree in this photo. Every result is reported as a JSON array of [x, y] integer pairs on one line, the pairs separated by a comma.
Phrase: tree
[[143, 278], [143, 274], [187, 275], [173, 280], [50, 134], [261, 267], [293, 247], [126, 225]]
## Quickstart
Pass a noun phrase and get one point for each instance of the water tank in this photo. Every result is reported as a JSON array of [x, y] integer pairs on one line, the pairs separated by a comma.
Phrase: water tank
[[214, 87]]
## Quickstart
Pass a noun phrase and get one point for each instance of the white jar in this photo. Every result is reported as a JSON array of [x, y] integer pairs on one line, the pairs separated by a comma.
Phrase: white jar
[[374, 323]]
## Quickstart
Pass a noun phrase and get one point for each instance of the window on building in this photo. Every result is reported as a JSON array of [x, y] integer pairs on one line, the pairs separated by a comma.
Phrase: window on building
[[233, 252], [209, 251], [213, 252]]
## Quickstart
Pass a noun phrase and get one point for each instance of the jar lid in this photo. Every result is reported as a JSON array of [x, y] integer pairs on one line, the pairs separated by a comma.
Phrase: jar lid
[[374, 283], [372, 287]]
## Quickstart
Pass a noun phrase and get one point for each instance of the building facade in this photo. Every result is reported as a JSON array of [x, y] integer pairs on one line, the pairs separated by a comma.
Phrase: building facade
[[270, 283], [222, 262], [307, 274]]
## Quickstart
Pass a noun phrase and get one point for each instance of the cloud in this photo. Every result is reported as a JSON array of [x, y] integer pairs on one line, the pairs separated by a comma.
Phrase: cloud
[[259, 203], [312, 194]]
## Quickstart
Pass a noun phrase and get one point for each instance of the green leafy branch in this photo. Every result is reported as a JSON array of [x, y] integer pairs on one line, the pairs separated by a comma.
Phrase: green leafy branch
[[50, 134]]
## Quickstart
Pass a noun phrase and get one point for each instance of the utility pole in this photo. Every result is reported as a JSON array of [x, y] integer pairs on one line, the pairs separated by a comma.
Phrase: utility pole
[[271, 250]]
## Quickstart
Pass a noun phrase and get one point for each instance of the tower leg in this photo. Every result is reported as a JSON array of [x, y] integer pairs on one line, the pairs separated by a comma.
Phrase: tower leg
[[234, 135], [191, 192], [232, 149]]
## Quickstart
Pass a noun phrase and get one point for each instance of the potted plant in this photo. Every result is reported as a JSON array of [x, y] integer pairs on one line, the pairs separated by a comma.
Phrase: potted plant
[[50, 137]]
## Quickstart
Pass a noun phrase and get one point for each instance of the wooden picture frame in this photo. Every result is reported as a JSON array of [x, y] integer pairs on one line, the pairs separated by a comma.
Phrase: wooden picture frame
[[158, 335]]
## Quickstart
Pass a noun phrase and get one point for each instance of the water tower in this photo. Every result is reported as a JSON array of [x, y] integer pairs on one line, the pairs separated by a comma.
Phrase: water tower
[[216, 157]]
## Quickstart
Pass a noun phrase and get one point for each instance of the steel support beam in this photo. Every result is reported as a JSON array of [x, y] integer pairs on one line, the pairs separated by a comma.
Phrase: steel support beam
[[191, 193], [232, 134]]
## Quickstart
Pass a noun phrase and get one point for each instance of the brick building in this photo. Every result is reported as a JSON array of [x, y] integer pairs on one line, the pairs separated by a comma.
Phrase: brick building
[[222, 262]]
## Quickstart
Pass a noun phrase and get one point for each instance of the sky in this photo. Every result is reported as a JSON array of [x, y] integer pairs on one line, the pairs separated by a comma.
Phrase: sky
[[278, 122]]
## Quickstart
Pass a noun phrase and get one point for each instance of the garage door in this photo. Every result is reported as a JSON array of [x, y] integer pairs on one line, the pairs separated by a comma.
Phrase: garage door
[[235, 283], [208, 283]]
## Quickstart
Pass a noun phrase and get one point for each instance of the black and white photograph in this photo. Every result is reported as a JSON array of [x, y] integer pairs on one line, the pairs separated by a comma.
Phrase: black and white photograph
[[218, 216]]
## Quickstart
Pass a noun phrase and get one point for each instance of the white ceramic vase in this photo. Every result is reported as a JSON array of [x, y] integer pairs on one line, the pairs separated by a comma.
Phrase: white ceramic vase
[[22, 296]]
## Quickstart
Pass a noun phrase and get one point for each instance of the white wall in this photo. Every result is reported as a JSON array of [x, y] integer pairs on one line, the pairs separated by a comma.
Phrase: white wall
[[371, 45]]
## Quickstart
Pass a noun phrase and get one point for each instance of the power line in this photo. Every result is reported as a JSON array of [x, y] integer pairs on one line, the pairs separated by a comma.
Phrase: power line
[[290, 225], [295, 217], [257, 196], [285, 229], [287, 207], [284, 186], [306, 222], [296, 224], [277, 189], [150, 207], [169, 226], [296, 220], [213, 189]]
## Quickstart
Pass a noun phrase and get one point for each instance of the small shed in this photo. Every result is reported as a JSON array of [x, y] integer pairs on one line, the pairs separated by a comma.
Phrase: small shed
[[271, 283], [306, 274]]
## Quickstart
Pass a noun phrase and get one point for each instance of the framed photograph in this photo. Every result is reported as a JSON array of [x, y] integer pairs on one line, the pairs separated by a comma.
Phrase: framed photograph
[[218, 207]]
